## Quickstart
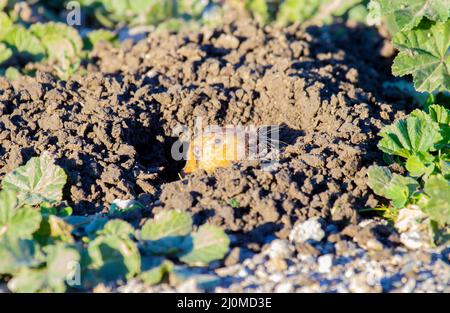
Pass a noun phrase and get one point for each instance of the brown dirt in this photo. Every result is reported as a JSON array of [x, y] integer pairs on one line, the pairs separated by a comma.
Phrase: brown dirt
[[112, 130]]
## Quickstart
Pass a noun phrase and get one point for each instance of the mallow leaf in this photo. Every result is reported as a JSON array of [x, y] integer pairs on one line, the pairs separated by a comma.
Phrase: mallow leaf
[[114, 257], [54, 229], [437, 206], [418, 165], [424, 54], [210, 243], [40, 180], [407, 137], [400, 189], [20, 40], [378, 179], [395, 187], [58, 39], [154, 269], [17, 221], [165, 234], [5, 24], [117, 228], [5, 53], [62, 264], [17, 254], [439, 114], [409, 13]]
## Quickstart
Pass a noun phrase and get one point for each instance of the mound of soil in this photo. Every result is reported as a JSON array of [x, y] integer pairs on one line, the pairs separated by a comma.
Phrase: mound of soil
[[100, 131], [112, 130]]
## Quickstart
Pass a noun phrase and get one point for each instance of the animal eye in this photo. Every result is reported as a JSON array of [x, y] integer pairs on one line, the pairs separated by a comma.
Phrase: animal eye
[[217, 141]]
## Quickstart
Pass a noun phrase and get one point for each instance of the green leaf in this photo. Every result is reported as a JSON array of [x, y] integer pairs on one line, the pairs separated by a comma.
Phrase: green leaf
[[411, 136], [15, 221], [298, 11], [439, 114], [114, 258], [210, 243], [5, 24], [154, 269], [424, 54], [409, 13], [96, 36], [61, 263], [165, 234], [5, 53], [395, 187], [259, 9], [21, 41], [445, 167], [400, 189], [117, 228], [54, 229], [40, 180], [378, 179], [27, 281], [17, 254], [59, 40], [437, 188], [419, 164]]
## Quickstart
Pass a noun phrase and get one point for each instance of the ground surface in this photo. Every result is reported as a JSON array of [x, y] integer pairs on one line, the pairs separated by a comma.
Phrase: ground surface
[[112, 132]]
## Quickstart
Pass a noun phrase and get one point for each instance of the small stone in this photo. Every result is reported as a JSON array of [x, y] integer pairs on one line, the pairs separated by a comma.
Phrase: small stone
[[374, 244], [189, 286], [413, 228], [307, 249], [358, 284], [277, 277], [279, 249], [308, 230], [277, 265], [414, 240], [325, 263], [284, 287]]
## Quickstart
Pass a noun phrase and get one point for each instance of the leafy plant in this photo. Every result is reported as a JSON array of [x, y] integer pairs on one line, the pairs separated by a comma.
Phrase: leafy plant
[[310, 11], [421, 32], [40, 180], [43, 247], [41, 42], [420, 143]]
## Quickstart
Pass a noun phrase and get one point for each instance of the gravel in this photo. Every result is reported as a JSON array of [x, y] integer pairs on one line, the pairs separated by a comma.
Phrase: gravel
[[342, 266]]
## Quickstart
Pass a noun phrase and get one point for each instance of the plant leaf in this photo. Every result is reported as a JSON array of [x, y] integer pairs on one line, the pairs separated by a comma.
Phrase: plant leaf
[[409, 13], [14, 221], [60, 40], [407, 137], [16, 254], [154, 269], [40, 180], [378, 179], [165, 234], [114, 258], [210, 243], [117, 228], [400, 189], [437, 188], [61, 260], [424, 54]]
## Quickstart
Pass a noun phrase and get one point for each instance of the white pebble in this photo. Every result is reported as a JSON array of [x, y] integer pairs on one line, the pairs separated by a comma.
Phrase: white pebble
[[325, 263], [284, 287], [308, 230]]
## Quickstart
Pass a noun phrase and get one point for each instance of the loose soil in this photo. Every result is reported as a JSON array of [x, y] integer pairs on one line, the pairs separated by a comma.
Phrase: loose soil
[[112, 130]]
